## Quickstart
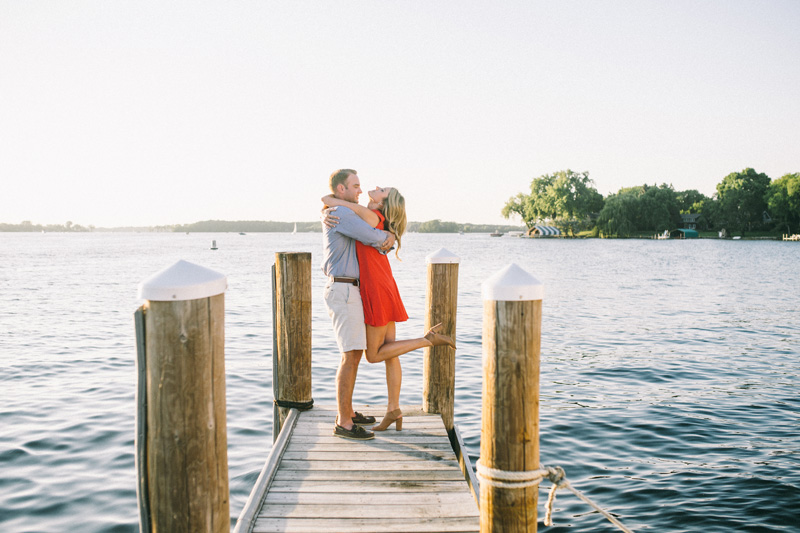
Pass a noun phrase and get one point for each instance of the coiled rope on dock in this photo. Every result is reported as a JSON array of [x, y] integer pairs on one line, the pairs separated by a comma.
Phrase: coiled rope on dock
[[529, 478]]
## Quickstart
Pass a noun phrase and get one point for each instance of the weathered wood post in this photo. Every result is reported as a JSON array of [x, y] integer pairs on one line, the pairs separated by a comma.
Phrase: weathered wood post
[[512, 319], [439, 362], [291, 380], [182, 450]]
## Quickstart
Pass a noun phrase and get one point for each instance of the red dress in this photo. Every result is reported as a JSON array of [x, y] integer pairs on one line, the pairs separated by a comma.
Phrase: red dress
[[379, 294]]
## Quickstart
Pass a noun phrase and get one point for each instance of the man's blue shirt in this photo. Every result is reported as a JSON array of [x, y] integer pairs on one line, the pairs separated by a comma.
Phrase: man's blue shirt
[[339, 243]]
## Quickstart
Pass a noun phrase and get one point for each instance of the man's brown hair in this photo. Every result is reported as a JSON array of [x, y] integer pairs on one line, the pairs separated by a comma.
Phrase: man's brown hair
[[340, 176]]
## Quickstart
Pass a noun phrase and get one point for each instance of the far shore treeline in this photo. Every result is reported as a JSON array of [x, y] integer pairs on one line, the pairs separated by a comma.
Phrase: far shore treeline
[[744, 202], [253, 226]]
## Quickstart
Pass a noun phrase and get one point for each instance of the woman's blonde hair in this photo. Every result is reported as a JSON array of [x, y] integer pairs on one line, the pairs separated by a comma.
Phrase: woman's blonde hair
[[394, 210]]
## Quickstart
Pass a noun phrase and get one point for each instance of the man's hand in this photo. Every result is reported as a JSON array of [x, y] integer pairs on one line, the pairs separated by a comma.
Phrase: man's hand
[[389, 242], [328, 219]]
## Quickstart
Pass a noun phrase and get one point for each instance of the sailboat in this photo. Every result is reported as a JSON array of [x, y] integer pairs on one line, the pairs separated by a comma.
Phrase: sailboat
[[295, 228]]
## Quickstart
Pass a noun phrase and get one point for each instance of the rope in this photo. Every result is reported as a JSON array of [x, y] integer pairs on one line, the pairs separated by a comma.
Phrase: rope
[[528, 478], [300, 406], [511, 480]]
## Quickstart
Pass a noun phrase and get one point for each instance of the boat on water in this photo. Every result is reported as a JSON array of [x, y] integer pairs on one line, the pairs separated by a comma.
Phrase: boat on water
[[295, 228], [496, 234]]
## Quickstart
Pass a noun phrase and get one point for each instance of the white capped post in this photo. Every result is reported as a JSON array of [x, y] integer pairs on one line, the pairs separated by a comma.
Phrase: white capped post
[[182, 451], [442, 256], [439, 362], [512, 320], [182, 281], [512, 284]]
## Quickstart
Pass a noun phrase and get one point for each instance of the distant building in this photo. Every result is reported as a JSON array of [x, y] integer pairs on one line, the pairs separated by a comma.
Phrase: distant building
[[690, 220], [683, 234]]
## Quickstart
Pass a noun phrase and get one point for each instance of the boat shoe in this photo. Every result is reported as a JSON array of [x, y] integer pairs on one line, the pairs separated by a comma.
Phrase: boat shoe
[[362, 420], [357, 433]]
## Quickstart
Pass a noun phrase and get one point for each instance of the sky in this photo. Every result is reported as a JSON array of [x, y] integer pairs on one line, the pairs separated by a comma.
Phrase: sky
[[139, 113]]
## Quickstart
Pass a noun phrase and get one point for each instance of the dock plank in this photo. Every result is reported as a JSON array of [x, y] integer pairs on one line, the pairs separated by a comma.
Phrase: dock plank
[[325, 428], [335, 444], [414, 510], [371, 455], [372, 486], [390, 475], [407, 480], [368, 525], [386, 437], [375, 466], [412, 499]]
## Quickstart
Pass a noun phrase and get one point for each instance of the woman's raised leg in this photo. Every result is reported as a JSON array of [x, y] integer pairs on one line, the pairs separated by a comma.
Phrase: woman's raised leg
[[380, 348]]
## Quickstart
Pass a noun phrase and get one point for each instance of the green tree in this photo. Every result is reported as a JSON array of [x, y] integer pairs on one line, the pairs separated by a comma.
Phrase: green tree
[[783, 201], [566, 198], [640, 208], [658, 209], [619, 214], [742, 200], [519, 205]]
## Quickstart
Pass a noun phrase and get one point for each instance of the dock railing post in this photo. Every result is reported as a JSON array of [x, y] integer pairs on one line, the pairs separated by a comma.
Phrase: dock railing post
[[291, 381], [439, 362], [182, 451], [512, 318]]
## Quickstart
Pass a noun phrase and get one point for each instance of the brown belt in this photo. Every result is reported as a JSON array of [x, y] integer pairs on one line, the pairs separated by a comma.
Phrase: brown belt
[[351, 281]]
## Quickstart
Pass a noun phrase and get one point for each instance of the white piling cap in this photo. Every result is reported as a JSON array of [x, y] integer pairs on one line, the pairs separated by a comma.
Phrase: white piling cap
[[183, 281], [441, 256], [512, 283]]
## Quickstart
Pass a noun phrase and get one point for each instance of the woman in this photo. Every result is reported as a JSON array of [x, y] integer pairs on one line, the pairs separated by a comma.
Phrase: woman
[[381, 300]]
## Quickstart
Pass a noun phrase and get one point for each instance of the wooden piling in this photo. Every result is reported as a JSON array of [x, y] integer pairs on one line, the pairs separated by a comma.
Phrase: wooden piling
[[185, 452], [292, 327], [510, 419], [439, 362]]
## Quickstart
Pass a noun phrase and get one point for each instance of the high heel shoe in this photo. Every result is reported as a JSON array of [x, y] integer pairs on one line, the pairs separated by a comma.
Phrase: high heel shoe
[[392, 417], [437, 339]]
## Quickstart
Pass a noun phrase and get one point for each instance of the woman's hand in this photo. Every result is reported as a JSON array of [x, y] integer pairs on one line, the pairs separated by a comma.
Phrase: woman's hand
[[329, 220], [388, 244]]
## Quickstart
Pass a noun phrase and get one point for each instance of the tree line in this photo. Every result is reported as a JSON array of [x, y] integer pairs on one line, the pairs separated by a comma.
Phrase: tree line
[[254, 226], [27, 225], [744, 201]]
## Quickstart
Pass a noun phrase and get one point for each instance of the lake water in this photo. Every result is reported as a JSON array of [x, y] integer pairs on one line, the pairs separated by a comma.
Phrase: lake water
[[669, 375]]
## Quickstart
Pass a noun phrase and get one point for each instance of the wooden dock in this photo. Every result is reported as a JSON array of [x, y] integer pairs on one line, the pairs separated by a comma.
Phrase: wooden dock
[[410, 480], [415, 480]]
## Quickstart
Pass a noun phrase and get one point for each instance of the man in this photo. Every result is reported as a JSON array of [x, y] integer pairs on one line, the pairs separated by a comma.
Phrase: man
[[343, 298]]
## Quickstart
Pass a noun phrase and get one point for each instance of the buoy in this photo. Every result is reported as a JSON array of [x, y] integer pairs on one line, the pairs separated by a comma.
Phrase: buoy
[[213, 245]]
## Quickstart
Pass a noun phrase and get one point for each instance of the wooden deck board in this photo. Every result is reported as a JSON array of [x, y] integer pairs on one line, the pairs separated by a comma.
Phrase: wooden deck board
[[407, 480], [367, 525], [357, 510], [371, 486], [390, 475]]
